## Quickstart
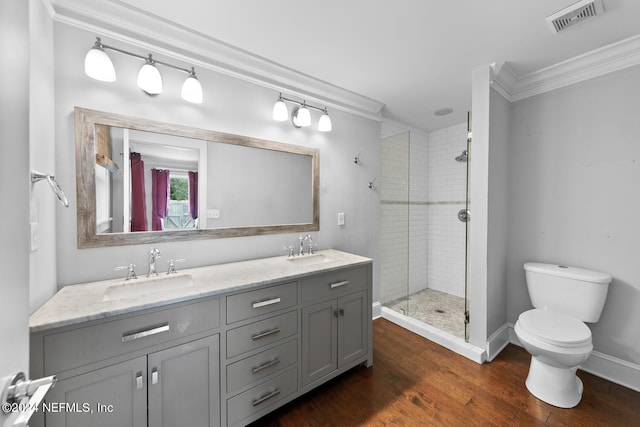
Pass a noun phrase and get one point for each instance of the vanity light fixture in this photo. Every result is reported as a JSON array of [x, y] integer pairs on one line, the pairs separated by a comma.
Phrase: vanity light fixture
[[324, 124], [280, 112], [149, 78], [300, 115], [98, 65]]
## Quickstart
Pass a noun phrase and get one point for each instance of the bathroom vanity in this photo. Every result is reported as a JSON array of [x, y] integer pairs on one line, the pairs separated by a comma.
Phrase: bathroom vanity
[[218, 345]]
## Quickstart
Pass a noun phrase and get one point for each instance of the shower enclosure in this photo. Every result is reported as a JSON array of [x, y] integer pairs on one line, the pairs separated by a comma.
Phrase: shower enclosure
[[424, 219]]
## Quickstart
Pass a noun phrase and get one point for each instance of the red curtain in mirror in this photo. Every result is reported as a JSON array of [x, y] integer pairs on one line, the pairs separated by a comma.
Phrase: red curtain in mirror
[[160, 197], [193, 195], [138, 203]]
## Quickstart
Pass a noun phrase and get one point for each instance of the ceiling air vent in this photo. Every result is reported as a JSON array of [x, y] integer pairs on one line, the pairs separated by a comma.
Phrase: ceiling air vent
[[575, 14]]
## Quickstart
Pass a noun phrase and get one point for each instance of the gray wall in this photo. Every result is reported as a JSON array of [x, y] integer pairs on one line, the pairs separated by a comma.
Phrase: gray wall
[[574, 196], [499, 123], [230, 105], [14, 186], [43, 203]]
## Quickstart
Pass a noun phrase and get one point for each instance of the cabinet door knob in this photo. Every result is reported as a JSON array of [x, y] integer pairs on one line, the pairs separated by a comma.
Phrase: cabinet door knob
[[154, 376], [139, 381]]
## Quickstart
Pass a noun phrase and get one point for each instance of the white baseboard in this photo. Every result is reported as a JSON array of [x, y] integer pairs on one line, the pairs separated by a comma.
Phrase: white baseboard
[[497, 342], [613, 369], [376, 310], [602, 365]]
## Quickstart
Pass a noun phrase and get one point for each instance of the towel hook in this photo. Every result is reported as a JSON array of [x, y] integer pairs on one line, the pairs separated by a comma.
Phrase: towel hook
[[38, 176]]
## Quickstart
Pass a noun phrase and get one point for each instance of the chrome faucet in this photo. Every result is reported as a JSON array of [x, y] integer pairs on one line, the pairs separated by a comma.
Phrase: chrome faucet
[[304, 239], [310, 239], [154, 254]]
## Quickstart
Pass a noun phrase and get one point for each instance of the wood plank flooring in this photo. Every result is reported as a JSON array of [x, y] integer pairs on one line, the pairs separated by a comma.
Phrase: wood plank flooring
[[414, 382]]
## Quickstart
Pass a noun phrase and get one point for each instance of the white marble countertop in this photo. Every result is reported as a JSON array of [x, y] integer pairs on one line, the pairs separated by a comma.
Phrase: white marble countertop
[[84, 302]]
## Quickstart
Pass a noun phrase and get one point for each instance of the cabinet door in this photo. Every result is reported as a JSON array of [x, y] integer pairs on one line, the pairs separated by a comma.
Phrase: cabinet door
[[319, 340], [111, 396], [352, 327], [184, 385]]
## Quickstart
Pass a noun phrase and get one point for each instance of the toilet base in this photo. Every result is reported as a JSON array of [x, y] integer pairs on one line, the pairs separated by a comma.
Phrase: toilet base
[[559, 387]]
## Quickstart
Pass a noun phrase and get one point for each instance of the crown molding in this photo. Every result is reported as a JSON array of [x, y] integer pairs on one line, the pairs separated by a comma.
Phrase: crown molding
[[598, 62], [115, 20]]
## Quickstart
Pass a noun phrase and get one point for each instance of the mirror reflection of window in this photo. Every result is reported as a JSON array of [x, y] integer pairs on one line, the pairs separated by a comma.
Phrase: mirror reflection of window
[[179, 214]]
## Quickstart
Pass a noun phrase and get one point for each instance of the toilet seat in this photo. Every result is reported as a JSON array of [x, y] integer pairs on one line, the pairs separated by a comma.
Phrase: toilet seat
[[555, 329]]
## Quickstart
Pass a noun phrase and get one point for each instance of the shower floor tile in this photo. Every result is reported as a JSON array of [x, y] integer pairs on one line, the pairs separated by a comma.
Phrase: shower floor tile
[[438, 309]]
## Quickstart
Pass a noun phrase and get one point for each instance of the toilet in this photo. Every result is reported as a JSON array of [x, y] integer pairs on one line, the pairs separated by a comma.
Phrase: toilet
[[554, 333]]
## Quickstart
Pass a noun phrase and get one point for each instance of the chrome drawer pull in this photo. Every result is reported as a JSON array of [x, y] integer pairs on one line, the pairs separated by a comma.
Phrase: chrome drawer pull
[[265, 334], [266, 302], [265, 365], [148, 332], [267, 396], [338, 284]]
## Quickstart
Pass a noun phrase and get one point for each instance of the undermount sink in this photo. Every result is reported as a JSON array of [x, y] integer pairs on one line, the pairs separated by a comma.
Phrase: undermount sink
[[138, 287], [309, 259]]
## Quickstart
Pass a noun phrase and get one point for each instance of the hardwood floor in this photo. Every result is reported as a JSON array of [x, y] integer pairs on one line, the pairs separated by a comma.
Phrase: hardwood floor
[[414, 382]]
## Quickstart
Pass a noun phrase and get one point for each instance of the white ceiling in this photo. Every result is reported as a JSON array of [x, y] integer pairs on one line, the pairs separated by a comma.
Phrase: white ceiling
[[414, 56]]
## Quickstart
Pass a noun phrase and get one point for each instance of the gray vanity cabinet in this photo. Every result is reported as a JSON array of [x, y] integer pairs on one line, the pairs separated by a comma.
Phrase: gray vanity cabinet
[[225, 359], [158, 367], [178, 386], [183, 385], [334, 333], [336, 329], [114, 387]]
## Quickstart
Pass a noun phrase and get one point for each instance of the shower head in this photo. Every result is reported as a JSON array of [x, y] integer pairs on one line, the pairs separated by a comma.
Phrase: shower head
[[462, 157]]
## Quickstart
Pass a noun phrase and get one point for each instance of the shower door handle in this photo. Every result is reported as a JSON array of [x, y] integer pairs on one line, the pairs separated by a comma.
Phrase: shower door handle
[[464, 215]]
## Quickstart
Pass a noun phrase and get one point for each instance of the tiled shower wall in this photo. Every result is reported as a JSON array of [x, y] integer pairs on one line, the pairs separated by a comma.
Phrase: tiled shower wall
[[394, 217], [447, 194], [422, 188]]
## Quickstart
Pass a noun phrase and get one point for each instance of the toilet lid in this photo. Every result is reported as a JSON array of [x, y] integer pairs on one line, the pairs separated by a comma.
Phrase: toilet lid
[[555, 328]]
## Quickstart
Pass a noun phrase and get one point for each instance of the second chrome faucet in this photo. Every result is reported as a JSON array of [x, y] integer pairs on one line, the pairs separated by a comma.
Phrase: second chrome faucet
[[154, 254]]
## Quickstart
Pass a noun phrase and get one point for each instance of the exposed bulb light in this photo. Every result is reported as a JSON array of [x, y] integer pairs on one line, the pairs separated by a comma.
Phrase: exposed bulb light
[[280, 112], [149, 78], [191, 88], [303, 116], [98, 65], [324, 124]]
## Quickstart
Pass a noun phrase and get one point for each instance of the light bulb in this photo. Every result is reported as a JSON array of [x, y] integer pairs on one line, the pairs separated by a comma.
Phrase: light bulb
[[149, 78], [324, 124], [280, 112], [98, 65], [303, 116], [191, 89]]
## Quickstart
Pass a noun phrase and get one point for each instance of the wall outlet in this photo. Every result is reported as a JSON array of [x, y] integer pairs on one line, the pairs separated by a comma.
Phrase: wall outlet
[[341, 219], [213, 213]]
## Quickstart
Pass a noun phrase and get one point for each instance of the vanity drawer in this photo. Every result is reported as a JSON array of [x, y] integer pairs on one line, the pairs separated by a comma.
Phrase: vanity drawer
[[261, 365], [258, 334], [332, 284], [261, 397], [79, 347], [261, 301]]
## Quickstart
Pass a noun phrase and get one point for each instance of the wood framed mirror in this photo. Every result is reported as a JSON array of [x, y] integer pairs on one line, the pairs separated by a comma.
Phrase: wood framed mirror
[[219, 185]]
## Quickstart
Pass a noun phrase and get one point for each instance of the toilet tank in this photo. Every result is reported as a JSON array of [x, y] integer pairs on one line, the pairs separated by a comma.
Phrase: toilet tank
[[572, 291]]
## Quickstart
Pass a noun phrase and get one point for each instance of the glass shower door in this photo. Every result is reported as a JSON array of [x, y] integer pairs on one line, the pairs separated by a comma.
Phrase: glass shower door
[[467, 301], [394, 227]]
